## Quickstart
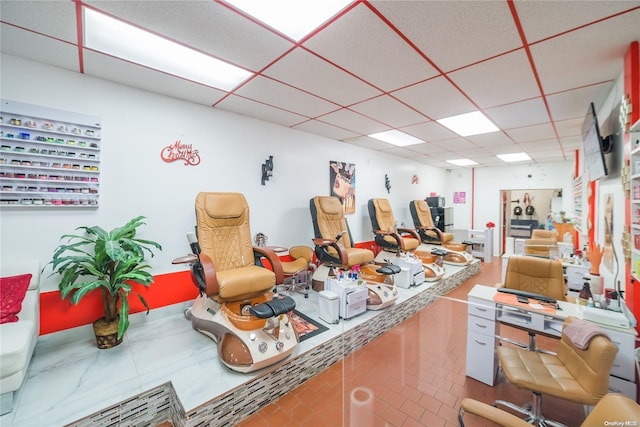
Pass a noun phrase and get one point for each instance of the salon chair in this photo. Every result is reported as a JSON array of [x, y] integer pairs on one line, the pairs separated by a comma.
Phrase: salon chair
[[542, 243], [535, 275], [577, 375], [612, 407], [334, 249], [454, 253], [296, 271], [236, 307], [398, 244]]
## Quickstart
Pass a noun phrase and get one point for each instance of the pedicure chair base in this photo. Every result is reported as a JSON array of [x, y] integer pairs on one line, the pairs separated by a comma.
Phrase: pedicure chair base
[[457, 256], [420, 272]]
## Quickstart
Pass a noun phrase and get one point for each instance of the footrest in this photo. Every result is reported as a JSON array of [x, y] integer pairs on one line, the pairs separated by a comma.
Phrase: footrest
[[389, 269], [439, 252], [272, 308]]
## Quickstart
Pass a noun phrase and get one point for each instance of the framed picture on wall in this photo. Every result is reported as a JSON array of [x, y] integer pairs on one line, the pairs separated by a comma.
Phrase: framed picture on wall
[[342, 179]]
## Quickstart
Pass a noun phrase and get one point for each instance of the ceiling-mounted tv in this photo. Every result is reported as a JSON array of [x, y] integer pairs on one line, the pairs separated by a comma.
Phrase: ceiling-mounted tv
[[593, 146]]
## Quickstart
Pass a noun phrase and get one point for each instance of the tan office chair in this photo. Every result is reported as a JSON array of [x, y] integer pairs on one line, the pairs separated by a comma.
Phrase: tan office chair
[[612, 407], [541, 243], [333, 242], [423, 222], [580, 376], [535, 275]]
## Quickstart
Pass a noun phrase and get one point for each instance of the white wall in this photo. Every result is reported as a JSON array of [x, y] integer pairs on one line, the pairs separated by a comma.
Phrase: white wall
[[135, 181]]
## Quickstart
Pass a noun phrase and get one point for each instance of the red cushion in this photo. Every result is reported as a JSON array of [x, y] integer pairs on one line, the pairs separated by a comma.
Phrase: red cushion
[[12, 292]]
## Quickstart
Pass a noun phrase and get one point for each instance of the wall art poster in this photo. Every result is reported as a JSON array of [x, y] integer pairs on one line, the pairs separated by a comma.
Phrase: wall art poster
[[342, 179]]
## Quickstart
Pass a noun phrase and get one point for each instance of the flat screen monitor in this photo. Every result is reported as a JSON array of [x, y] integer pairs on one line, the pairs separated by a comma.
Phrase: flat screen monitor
[[593, 146]]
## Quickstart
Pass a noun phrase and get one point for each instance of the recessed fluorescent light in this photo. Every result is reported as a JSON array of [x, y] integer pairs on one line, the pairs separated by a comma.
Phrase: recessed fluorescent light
[[513, 157], [469, 124], [396, 137], [293, 18], [462, 162], [116, 38]]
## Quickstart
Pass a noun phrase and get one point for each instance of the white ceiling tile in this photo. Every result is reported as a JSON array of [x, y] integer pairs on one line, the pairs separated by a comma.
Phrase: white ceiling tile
[[560, 16], [366, 142], [454, 33], [320, 128], [490, 139], [436, 98], [33, 46], [243, 106], [270, 92], [531, 133], [587, 56], [354, 122], [389, 111], [519, 114], [313, 74], [429, 131], [427, 148], [56, 19], [502, 80], [362, 44], [573, 104]]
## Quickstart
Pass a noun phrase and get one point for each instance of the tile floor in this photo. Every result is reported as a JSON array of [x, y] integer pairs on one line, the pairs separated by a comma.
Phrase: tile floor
[[413, 375]]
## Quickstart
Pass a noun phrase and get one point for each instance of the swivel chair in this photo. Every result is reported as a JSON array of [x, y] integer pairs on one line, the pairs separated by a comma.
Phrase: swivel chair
[[612, 406], [573, 374], [454, 253], [296, 274], [236, 307], [542, 243], [334, 249], [398, 242], [534, 275]]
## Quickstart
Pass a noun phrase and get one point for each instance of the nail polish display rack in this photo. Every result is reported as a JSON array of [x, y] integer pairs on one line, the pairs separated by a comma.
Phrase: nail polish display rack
[[48, 158]]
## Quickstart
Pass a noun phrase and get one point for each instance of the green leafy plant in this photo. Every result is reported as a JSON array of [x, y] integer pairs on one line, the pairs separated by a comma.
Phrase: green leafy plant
[[108, 261]]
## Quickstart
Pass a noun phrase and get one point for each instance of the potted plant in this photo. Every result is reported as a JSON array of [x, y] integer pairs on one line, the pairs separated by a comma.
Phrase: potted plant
[[109, 261]]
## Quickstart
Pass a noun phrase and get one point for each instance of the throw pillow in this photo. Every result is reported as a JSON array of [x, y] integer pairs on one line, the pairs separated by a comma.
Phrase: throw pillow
[[12, 292]]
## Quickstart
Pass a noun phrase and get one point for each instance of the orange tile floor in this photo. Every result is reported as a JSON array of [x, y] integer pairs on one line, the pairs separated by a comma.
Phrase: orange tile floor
[[414, 374]]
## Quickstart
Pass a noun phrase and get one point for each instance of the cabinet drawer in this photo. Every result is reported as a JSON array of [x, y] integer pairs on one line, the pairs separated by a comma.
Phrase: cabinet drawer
[[624, 363], [482, 360], [481, 308], [481, 325]]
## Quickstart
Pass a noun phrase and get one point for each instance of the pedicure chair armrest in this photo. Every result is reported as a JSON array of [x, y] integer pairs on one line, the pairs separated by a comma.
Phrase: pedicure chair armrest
[[204, 274], [323, 244], [436, 230], [411, 231], [274, 260]]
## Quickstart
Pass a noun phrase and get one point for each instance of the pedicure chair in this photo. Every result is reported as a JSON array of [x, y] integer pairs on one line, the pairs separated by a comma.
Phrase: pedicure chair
[[334, 250], [436, 240], [399, 244], [236, 306]]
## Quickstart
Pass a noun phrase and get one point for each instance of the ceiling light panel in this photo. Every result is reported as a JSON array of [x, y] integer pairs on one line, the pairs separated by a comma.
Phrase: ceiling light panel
[[113, 37], [513, 157], [468, 124], [293, 18], [397, 138], [462, 162]]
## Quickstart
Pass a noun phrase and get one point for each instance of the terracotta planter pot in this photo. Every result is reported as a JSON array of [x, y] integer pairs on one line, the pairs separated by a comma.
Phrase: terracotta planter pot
[[106, 333]]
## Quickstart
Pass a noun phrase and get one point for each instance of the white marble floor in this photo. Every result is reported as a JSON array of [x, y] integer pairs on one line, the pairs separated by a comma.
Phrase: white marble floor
[[69, 378]]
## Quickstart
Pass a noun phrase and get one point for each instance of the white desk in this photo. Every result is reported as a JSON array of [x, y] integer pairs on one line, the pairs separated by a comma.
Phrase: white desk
[[485, 314]]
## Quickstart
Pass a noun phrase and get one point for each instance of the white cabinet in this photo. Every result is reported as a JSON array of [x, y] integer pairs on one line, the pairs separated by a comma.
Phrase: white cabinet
[[635, 199], [48, 158], [481, 242], [482, 359]]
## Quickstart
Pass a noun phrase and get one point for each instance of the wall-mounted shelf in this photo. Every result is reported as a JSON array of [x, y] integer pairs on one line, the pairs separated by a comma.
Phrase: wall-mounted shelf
[[634, 185], [48, 157]]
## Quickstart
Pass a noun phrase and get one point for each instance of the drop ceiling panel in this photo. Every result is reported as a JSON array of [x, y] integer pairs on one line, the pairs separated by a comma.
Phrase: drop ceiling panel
[[454, 34], [105, 67], [389, 111], [56, 19], [436, 98], [206, 26], [590, 55], [362, 44], [428, 148], [519, 114], [430, 131], [531, 133], [320, 128], [573, 104], [560, 16], [490, 139], [354, 122], [259, 111], [366, 142], [29, 45], [310, 73], [502, 80], [270, 92]]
